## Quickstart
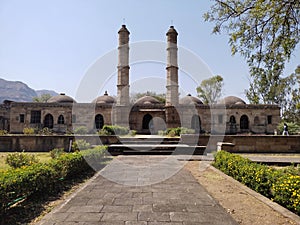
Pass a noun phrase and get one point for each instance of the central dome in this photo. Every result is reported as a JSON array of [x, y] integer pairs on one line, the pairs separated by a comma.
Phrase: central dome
[[104, 99], [147, 100], [190, 100], [61, 98]]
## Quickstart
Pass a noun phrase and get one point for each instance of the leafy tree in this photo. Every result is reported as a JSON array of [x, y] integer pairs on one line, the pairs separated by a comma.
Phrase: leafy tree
[[160, 97], [210, 90], [265, 33], [42, 98]]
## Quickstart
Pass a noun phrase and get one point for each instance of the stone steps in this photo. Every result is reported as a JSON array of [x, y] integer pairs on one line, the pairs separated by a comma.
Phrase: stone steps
[[154, 146]]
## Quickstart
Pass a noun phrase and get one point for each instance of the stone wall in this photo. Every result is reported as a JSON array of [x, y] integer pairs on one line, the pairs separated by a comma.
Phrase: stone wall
[[35, 143], [248, 144]]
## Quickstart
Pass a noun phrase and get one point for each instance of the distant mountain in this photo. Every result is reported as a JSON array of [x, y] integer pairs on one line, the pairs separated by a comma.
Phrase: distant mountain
[[42, 92], [19, 91]]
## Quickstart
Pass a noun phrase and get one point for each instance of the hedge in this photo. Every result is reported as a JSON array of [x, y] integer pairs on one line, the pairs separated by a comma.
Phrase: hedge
[[281, 186], [42, 178]]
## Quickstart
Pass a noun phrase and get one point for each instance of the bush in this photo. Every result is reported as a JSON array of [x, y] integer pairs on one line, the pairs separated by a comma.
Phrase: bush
[[19, 159], [80, 144], [45, 131], [3, 132], [172, 132], [95, 156], [114, 130], [132, 133], [283, 186], [80, 130], [42, 178], [29, 130], [56, 152]]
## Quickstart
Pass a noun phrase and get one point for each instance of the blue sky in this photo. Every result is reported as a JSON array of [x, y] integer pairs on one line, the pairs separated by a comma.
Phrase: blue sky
[[52, 44]]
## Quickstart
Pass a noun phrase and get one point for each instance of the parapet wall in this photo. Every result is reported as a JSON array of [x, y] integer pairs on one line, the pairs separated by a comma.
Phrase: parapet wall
[[44, 143], [251, 143], [243, 144]]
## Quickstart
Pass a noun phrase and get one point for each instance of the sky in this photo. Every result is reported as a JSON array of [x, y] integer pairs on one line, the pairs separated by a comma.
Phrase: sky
[[55, 45]]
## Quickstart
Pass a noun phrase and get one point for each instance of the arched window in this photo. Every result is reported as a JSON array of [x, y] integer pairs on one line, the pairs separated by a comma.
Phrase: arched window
[[244, 122], [232, 120], [146, 121], [99, 121], [196, 123], [48, 121], [61, 119]]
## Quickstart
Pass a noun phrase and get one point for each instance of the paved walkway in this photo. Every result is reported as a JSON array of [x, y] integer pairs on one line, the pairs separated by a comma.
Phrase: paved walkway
[[141, 190]]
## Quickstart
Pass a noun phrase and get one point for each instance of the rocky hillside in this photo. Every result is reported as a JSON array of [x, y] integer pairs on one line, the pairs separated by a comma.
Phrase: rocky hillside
[[19, 91]]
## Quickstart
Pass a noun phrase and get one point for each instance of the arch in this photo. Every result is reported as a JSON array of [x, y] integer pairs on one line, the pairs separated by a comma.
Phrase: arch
[[48, 121], [232, 120], [146, 121], [99, 121], [61, 119], [196, 123], [244, 122]]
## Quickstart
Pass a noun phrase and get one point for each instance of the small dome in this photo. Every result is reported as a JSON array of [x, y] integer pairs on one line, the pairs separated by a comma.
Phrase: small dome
[[104, 99], [146, 100], [232, 100], [190, 100], [61, 98]]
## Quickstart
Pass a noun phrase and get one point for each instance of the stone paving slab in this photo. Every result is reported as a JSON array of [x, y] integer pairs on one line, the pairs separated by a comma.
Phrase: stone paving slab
[[177, 200]]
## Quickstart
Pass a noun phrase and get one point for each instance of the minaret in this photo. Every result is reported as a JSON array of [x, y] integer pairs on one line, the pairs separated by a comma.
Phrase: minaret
[[172, 116], [121, 110], [123, 67], [172, 68]]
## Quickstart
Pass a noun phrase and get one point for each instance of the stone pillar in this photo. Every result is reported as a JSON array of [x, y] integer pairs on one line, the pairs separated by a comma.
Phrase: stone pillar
[[172, 96], [172, 68], [121, 110], [123, 67]]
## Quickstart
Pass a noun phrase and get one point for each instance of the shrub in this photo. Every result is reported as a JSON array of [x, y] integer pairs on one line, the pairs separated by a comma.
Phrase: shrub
[[56, 152], [95, 156], [80, 144], [19, 159], [132, 132], [172, 132], [29, 130], [80, 130], [115, 130], [3, 132], [45, 131], [283, 186], [43, 178]]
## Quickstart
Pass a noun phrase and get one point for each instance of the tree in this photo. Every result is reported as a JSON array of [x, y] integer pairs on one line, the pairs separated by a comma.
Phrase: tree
[[210, 90], [42, 98], [265, 33]]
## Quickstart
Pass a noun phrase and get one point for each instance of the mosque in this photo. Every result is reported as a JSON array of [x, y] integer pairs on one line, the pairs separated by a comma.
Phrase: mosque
[[147, 115]]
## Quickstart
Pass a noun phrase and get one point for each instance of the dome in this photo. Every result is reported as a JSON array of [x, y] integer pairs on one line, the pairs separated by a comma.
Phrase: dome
[[232, 100], [61, 98], [104, 99], [146, 100], [190, 100]]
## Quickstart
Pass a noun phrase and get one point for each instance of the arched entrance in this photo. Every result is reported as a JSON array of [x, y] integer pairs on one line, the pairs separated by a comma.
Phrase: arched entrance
[[147, 121], [196, 123], [244, 123], [99, 121], [48, 121]]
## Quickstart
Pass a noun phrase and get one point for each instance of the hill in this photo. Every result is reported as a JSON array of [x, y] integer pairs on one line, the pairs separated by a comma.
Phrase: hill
[[19, 91]]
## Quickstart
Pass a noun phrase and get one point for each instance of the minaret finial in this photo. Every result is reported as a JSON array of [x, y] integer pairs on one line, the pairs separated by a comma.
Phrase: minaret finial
[[172, 23], [124, 21]]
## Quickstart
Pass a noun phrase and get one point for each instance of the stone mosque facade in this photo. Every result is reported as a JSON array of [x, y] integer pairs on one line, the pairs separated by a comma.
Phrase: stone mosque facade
[[147, 115]]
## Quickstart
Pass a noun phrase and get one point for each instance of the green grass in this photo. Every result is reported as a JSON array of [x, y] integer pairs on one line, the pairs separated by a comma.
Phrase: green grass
[[42, 156]]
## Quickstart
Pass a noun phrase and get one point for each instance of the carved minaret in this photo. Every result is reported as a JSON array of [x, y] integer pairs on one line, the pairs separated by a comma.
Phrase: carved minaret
[[172, 97], [121, 109], [172, 68], [123, 67]]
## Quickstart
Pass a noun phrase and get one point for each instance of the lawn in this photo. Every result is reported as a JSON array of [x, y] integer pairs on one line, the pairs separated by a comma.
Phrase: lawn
[[42, 156]]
